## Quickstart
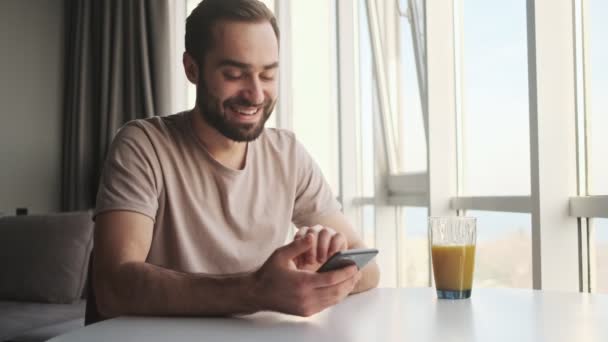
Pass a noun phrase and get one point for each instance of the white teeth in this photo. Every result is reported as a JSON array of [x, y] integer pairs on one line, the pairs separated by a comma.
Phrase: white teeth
[[245, 112]]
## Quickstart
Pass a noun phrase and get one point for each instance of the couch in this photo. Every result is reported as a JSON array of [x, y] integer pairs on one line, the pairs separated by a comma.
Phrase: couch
[[43, 270]]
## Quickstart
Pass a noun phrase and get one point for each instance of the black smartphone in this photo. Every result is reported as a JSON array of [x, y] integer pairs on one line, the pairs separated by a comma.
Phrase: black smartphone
[[359, 257]]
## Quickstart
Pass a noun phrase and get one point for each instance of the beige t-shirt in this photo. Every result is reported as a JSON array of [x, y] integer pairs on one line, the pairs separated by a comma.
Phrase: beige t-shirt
[[209, 218]]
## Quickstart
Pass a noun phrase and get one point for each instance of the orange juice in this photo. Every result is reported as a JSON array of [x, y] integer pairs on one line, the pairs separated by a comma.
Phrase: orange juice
[[453, 269]]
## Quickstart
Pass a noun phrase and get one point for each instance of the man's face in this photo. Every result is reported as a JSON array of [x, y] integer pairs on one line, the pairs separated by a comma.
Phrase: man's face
[[237, 89]]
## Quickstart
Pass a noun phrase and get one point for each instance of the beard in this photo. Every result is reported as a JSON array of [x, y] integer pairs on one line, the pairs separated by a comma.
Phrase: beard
[[211, 111]]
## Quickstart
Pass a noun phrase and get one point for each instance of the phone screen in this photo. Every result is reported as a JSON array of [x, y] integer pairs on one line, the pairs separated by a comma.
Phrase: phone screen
[[358, 257]]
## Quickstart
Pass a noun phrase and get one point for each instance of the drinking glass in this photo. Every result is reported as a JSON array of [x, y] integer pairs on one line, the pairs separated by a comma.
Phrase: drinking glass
[[453, 241]]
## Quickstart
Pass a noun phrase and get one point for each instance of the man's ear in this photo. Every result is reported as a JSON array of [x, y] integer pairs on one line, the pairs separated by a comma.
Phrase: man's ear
[[190, 68]]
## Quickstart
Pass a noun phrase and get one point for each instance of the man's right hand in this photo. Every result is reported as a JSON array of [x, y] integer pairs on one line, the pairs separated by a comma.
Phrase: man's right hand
[[279, 286]]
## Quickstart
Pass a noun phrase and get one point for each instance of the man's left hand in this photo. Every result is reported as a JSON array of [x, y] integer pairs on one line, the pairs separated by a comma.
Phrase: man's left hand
[[326, 242]]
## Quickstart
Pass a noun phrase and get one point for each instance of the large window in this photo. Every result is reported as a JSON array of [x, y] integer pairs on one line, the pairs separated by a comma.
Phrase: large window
[[313, 88], [504, 249], [366, 153], [493, 149], [411, 137], [512, 134], [600, 227], [494, 98], [368, 222], [596, 96], [368, 104], [415, 261], [491, 76], [593, 84]]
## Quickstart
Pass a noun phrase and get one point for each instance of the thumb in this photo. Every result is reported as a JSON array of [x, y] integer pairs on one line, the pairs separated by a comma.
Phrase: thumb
[[296, 247]]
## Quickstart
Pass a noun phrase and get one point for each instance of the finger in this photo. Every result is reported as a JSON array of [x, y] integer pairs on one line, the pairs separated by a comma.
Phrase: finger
[[301, 233], [312, 255], [317, 228], [325, 279], [295, 248], [323, 244], [312, 252], [338, 243]]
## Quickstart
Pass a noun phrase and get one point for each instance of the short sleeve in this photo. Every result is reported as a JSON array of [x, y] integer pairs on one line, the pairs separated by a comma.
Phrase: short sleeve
[[131, 175], [314, 198]]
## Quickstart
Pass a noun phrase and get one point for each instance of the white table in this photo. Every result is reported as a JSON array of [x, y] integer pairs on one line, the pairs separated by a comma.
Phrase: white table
[[387, 315]]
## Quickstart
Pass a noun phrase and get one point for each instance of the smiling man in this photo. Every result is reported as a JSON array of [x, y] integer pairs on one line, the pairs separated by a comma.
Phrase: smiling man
[[193, 209]]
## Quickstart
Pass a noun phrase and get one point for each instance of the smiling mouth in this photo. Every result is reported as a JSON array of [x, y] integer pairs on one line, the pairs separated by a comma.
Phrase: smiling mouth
[[245, 114], [247, 111]]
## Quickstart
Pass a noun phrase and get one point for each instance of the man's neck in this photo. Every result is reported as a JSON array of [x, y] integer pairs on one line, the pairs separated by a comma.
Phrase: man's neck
[[229, 153]]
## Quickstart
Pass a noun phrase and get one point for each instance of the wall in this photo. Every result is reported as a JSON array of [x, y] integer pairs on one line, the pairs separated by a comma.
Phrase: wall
[[31, 88]]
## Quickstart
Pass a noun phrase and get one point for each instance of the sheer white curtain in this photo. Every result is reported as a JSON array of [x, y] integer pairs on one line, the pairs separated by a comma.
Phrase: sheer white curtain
[[391, 114], [384, 31], [382, 19], [415, 14]]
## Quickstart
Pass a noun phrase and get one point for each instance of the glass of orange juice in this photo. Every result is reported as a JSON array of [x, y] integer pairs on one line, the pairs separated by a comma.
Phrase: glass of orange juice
[[453, 253]]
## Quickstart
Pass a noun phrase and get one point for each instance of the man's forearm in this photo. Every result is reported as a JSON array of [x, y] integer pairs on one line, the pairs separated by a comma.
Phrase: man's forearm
[[138, 288]]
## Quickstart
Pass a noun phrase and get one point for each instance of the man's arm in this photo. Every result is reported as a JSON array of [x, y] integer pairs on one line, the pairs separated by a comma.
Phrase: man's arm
[[125, 284], [326, 243]]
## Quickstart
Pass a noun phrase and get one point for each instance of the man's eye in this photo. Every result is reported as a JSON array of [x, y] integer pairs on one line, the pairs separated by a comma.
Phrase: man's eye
[[233, 76], [267, 77]]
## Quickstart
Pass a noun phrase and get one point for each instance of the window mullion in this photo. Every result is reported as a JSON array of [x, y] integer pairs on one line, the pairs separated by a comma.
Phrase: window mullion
[[552, 144]]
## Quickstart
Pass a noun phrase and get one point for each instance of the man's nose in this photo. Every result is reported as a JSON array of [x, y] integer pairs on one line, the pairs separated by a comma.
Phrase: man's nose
[[254, 92]]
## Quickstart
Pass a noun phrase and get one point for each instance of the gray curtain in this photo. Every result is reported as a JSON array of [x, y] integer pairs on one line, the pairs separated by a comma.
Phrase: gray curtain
[[117, 69]]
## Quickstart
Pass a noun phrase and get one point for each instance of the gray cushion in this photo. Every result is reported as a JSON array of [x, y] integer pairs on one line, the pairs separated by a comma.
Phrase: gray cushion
[[44, 258], [31, 321]]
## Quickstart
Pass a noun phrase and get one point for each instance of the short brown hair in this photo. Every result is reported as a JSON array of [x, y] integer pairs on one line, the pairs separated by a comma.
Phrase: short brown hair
[[200, 22]]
